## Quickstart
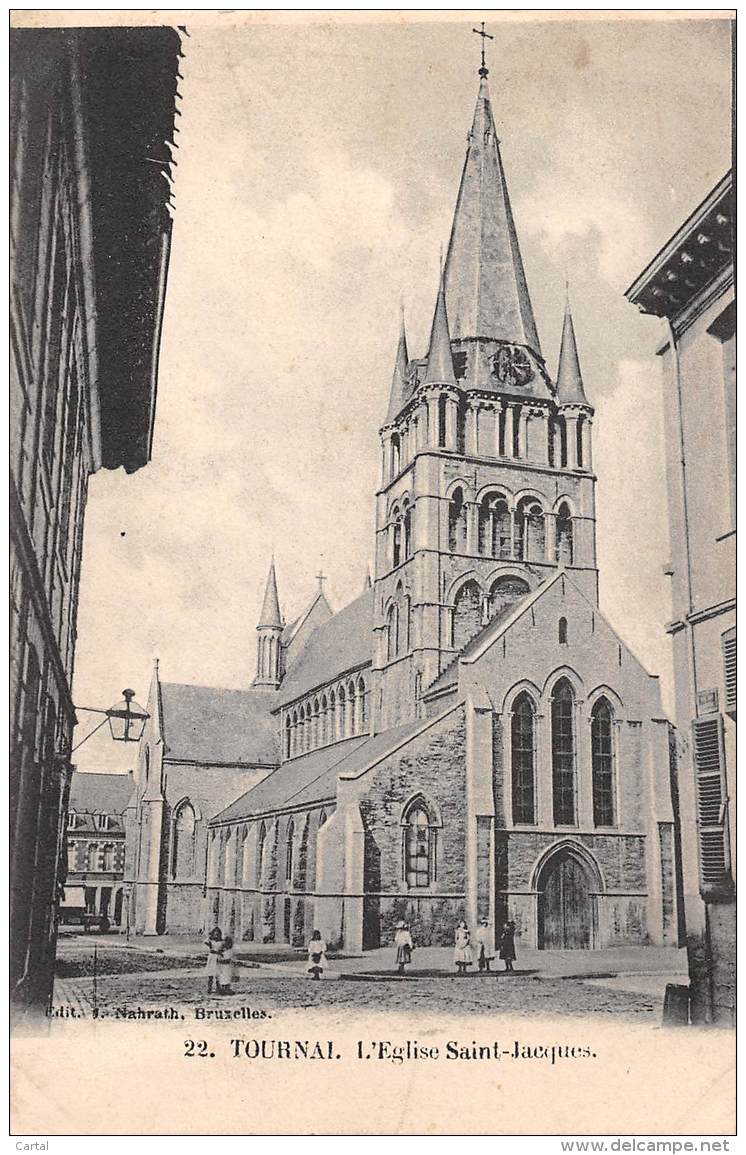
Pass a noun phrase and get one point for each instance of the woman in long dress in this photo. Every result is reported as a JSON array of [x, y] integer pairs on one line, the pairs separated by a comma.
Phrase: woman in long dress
[[507, 945], [214, 946], [404, 946], [226, 968], [316, 955], [462, 953]]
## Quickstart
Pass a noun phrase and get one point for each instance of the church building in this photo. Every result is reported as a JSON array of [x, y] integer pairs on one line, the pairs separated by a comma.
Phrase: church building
[[469, 737]]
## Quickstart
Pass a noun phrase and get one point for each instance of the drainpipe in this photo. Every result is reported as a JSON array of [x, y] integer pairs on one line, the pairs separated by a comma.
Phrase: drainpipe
[[685, 503]]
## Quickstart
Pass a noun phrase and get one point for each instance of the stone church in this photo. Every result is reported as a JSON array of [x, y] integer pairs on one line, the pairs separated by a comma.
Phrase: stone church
[[469, 737]]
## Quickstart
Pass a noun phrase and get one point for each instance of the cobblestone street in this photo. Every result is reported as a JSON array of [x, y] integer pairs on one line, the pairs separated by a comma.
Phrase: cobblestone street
[[578, 984]]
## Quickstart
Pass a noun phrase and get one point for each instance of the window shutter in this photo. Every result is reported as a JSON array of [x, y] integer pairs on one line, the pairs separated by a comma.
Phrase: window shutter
[[712, 799], [729, 671]]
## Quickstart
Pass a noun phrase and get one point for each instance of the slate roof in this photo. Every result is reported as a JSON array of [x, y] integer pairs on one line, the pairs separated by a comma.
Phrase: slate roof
[[313, 778], [342, 643], [213, 725], [100, 793]]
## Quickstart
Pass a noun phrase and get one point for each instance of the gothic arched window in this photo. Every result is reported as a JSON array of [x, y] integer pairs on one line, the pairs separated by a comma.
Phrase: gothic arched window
[[522, 744], [323, 721], [351, 709], [564, 549], [562, 631], [396, 554], [341, 712], [392, 632], [407, 530], [362, 704], [419, 849], [442, 420], [288, 735], [289, 850], [602, 759], [182, 854], [332, 726], [563, 754], [457, 522], [261, 845]]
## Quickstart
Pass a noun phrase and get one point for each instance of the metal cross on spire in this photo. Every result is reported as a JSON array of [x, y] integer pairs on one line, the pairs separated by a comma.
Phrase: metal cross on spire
[[321, 578], [484, 70]]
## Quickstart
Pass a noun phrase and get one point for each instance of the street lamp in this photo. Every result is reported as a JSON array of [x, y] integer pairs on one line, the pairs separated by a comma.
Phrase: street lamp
[[126, 720]]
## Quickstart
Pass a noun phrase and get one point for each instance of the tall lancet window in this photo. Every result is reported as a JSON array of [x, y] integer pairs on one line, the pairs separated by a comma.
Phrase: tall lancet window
[[457, 522], [565, 549], [523, 757], [602, 757], [563, 753]]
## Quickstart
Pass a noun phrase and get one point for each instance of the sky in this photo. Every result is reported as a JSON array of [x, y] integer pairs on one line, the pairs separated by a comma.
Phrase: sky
[[318, 166]]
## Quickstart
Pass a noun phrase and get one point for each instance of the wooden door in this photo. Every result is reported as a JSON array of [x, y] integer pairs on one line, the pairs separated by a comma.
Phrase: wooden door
[[565, 906]]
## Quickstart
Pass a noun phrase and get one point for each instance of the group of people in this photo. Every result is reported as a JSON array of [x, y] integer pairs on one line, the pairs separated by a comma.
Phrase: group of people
[[221, 967], [463, 952]]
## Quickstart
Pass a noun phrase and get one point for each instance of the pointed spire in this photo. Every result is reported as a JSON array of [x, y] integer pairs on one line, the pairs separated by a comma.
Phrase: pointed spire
[[367, 584], [485, 281], [439, 358], [270, 615], [570, 389], [399, 380]]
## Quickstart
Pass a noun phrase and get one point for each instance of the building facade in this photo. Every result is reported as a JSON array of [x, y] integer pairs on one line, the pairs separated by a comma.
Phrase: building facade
[[469, 737], [690, 285], [90, 233], [94, 844]]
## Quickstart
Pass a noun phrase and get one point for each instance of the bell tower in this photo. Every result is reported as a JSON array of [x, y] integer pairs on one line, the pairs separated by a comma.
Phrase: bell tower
[[486, 480], [269, 657]]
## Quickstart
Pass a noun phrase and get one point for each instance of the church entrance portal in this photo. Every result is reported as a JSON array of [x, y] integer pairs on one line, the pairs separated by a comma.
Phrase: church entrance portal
[[567, 888]]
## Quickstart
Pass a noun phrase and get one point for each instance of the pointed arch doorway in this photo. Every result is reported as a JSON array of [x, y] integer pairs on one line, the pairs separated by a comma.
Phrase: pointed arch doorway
[[568, 884]]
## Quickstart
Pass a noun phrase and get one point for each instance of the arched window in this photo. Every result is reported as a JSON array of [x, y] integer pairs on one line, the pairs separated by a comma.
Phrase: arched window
[[332, 727], [562, 631], [351, 710], [362, 698], [529, 530], [324, 721], [107, 857], [407, 530], [315, 724], [461, 425], [563, 754], [457, 522], [504, 592], [296, 734], [419, 846], [289, 850], [341, 713], [396, 554], [579, 441], [395, 454], [522, 742], [404, 616], [564, 535], [288, 736], [560, 442], [602, 756], [261, 844], [442, 420], [392, 632], [467, 614], [494, 526], [182, 854]]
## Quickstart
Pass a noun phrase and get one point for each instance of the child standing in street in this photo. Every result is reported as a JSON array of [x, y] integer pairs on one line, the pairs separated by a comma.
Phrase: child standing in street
[[462, 954], [214, 946], [316, 955], [485, 945], [226, 968]]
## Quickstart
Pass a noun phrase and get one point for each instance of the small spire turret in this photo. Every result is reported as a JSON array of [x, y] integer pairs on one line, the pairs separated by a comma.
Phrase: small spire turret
[[440, 358], [570, 389]]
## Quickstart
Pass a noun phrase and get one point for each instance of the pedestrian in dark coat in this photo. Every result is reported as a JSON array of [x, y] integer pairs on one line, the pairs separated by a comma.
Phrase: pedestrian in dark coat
[[507, 945]]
